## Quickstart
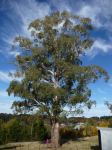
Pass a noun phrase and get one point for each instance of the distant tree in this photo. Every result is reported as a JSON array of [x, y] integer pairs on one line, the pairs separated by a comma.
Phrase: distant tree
[[53, 77]]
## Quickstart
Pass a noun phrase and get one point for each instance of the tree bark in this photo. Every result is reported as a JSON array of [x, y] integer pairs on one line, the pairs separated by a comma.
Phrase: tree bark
[[55, 137]]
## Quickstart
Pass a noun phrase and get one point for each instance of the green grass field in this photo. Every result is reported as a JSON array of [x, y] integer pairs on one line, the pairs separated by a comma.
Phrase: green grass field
[[89, 143]]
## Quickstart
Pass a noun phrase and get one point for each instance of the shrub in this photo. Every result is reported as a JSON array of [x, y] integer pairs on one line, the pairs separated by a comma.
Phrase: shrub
[[14, 130], [2, 136], [103, 124], [90, 131], [70, 133], [39, 131]]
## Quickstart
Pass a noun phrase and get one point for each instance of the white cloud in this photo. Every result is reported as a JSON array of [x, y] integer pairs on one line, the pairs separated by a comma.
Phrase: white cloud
[[21, 14], [99, 110], [4, 77], [28, 10], [99, 46], [88, 11], [14, 53], [99, 11], [61, 5], [102, 45]]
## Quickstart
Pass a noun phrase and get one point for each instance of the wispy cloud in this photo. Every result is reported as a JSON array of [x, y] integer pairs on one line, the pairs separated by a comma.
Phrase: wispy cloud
[[5, 77], [20, 14], [88, 11], [99, 110], [102, 45], [28, 10], [23, 12], [99, 11], [99, 46]]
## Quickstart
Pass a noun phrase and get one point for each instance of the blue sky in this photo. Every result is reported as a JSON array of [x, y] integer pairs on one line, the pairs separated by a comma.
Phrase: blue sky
[[15, 15]]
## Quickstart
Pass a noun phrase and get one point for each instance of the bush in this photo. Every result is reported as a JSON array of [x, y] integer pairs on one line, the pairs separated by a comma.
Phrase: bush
[[103, 124], [14, 130], [3, 136], [39, 131], [90, 131], [69, 133], [2, 133], [17, 130]]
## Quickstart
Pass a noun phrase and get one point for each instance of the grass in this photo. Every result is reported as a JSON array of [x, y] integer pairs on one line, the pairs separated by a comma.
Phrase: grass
[[89, 143]]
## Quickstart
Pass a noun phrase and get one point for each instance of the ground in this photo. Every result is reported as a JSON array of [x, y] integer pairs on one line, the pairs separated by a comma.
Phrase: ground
[[88, 143]]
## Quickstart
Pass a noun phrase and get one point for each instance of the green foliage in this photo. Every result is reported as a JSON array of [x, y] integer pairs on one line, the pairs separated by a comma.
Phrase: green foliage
[[90, 131], [52, 72], [14, 129], [39, 130], [70, 133], [31, 127], [2, 136], [22, 129]]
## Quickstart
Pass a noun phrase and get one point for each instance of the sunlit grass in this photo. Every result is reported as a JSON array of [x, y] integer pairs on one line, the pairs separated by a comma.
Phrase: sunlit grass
[[89, 143]]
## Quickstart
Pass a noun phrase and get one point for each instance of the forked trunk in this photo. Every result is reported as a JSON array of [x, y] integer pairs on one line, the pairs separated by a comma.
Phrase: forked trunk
[[55, 138]]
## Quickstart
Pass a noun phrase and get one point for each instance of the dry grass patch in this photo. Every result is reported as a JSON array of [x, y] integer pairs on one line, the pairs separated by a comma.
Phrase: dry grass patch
[[89, 143]]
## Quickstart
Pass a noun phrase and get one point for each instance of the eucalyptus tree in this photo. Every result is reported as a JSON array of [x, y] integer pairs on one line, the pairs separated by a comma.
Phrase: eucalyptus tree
[[53, 77]]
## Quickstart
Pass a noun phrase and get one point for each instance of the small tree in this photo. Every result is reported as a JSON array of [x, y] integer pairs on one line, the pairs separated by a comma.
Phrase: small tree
[[53, 76], [39, 130], [2, 133], [14, 130]]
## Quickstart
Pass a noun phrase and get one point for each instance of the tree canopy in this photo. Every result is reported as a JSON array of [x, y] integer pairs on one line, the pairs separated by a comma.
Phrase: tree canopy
[[53, 77]]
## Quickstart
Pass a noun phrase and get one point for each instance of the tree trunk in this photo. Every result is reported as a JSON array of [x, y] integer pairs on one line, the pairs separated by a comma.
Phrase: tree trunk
[[55, 138]]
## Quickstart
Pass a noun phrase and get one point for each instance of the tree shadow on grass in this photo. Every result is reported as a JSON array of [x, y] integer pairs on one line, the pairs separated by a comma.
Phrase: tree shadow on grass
[[67, 140], [95, 147], [10, 147]]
